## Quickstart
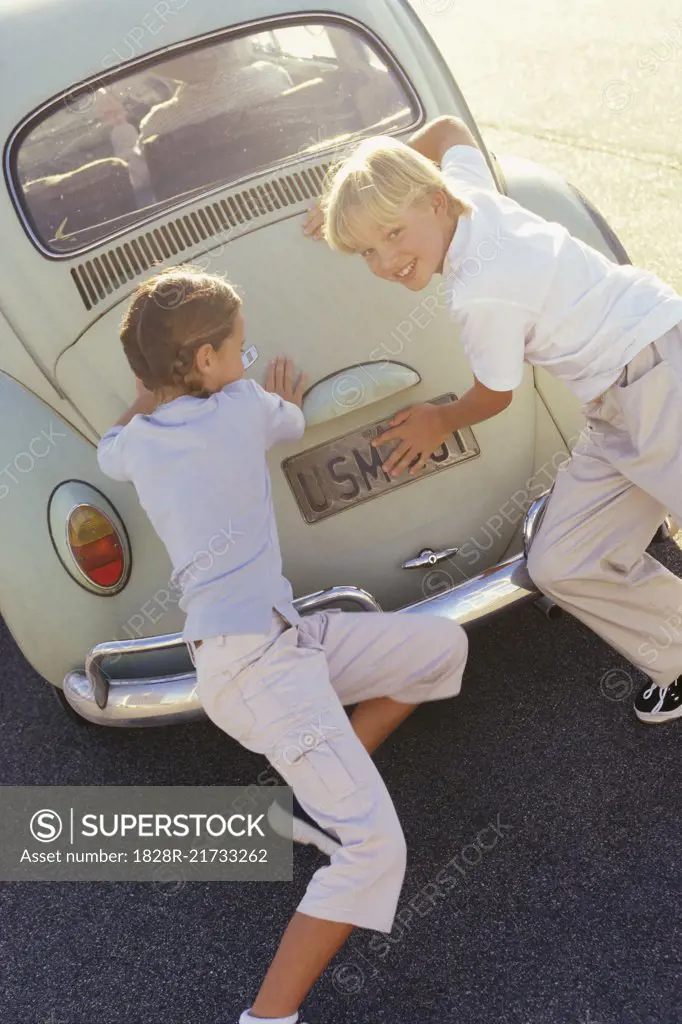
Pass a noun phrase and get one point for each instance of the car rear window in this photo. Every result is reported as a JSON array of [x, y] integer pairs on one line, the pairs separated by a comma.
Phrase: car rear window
[[117, 153]]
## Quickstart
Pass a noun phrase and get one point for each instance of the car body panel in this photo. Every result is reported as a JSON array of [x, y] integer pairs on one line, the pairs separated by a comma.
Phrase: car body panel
[[60, 341], [321, 330], [52, 618]]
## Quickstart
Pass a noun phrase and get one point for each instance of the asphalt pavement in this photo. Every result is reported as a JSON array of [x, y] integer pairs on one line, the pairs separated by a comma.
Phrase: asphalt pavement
[[551, 811], [542, 823]]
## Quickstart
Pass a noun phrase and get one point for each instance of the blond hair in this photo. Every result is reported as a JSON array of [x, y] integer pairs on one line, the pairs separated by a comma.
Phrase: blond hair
[[381, 179]]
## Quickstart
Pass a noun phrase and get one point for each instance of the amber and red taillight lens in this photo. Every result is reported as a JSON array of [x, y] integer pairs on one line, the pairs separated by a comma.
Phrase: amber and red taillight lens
[[89, 538], [95, 546]]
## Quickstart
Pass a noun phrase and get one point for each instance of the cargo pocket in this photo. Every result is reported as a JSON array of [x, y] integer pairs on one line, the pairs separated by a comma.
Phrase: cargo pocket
[[313, 759]]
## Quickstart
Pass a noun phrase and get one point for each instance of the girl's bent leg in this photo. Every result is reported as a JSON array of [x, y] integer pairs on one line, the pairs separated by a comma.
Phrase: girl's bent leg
[[374, 720], [410, 657], [284, 706], [307, 946]]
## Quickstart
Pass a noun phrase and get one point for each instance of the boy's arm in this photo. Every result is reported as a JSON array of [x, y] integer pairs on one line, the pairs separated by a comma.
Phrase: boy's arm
[[476, 405], [436, 138], [421, 429]]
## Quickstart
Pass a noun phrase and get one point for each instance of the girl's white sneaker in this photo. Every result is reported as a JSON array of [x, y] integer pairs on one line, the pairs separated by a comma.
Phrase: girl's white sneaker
[[246, 1018]]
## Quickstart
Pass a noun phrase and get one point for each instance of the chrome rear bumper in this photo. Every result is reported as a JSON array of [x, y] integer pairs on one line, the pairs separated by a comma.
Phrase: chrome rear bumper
[[172, 699]]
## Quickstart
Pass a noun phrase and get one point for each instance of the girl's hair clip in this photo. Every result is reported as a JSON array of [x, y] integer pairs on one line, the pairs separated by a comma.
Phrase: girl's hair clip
[[249, 357]]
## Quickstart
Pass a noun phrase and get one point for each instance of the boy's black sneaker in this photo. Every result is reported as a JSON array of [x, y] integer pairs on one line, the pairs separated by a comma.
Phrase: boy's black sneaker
[[658, 704], [304, 828]]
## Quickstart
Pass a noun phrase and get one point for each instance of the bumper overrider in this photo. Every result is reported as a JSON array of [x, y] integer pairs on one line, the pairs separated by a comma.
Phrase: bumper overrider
[[171, 699]]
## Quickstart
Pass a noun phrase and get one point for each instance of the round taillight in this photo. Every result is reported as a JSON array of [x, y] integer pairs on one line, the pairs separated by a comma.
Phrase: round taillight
[[95, 546], [89, 537]]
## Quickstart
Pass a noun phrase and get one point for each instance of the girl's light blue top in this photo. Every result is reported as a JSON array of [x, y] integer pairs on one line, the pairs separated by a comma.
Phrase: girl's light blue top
[[199, 468]]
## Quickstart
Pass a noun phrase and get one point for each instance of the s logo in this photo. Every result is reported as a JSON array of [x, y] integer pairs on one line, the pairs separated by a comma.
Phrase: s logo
[[46, 826]]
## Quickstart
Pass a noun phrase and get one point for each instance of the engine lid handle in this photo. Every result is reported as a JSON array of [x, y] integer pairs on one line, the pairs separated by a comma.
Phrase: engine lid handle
[[429, 557], [354, 388]]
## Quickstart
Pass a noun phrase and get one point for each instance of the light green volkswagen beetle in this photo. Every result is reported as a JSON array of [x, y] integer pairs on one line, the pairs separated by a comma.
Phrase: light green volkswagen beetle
[[201, 131]]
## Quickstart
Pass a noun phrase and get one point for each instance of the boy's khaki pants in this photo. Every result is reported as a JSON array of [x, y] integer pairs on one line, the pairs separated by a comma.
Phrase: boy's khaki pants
[[282, 695], [624, 477]]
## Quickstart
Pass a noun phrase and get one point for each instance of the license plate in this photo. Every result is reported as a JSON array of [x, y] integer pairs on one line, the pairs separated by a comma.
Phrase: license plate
[[343, 473]]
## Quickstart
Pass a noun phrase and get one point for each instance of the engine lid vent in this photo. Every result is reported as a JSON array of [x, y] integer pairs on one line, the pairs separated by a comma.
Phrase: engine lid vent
[[103, 274]]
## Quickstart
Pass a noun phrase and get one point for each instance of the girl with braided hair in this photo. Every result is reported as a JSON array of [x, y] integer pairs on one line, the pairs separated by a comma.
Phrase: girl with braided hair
[[194, 445]]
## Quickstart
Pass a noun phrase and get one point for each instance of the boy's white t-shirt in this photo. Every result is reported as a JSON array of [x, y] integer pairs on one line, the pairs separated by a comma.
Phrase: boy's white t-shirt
[[523, 289]]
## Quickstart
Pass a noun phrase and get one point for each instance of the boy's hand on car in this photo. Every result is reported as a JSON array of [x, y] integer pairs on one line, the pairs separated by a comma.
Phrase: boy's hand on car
[[314, 223], [421, 430], [281, 380]]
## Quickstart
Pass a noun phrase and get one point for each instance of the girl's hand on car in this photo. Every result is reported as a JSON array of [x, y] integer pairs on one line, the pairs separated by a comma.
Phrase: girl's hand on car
[[314, 223], [281, 380]]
